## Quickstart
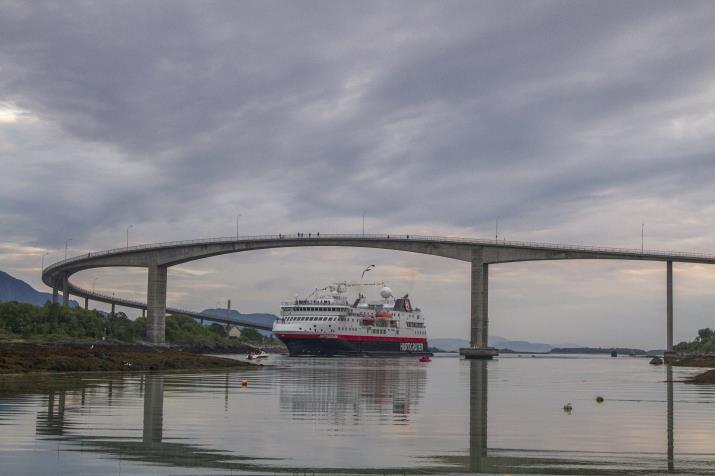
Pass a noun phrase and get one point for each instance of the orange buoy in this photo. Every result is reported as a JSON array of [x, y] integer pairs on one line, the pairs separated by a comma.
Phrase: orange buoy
[[244, 382]]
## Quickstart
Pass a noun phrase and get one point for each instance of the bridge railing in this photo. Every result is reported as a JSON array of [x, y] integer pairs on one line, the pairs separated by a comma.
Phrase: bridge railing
[[381, 237]]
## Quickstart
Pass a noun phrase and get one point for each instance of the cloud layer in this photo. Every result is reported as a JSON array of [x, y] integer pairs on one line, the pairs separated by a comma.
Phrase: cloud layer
[[572, 122]]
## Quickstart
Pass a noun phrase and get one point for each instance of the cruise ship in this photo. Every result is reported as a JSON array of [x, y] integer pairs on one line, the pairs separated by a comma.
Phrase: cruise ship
[[327, 323]]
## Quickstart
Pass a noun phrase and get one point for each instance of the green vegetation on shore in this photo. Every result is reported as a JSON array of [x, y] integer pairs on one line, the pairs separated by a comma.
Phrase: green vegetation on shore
[[52, 323], [704, 342]]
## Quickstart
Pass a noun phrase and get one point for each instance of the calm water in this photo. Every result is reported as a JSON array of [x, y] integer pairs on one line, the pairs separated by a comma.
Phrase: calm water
[[364, 416]]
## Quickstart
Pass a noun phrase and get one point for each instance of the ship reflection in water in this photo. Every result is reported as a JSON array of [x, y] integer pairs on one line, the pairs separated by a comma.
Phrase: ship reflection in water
[[330, 415], [382, 388]]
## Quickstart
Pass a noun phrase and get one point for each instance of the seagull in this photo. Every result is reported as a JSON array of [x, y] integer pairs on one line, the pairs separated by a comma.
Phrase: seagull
[[366, 270]]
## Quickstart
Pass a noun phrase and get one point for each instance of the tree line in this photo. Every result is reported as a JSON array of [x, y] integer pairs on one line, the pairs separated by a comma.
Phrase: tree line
[[704, 342], [53, 322]]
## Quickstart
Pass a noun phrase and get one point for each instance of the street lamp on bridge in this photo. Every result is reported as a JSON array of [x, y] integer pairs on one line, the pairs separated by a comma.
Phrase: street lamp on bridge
[[42, 265], [130, 226], [67, 242]]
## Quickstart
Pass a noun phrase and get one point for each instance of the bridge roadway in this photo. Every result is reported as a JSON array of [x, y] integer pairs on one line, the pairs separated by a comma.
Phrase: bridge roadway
[[480, 253], [115, 301]]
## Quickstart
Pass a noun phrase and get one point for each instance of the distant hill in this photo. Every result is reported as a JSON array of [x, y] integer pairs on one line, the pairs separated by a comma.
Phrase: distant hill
[[598, 350], [13, 289], [257, 318], [453, 345]]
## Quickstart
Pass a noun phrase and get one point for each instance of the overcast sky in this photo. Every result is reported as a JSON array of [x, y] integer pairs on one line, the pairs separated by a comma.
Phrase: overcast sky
[[573, 122]]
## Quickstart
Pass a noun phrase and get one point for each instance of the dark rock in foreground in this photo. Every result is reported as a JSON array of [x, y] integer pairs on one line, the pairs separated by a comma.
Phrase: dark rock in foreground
[[703, 378], [656, 361]]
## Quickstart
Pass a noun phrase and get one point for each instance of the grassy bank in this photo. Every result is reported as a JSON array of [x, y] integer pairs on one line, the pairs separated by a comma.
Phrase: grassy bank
[[21, 358]]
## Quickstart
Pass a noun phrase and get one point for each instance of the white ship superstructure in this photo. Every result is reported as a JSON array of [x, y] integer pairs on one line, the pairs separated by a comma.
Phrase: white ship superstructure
[[327, 323]]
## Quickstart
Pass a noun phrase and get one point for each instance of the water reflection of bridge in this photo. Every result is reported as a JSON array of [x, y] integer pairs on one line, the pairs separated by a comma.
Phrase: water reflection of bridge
[[396, 391], [482, 459]]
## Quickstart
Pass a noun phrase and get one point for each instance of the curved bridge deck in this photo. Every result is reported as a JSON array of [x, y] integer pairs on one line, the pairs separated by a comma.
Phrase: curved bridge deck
[[157, 258]]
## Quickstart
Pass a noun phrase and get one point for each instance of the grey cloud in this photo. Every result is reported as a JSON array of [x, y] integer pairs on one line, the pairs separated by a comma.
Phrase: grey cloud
[[175, 116]]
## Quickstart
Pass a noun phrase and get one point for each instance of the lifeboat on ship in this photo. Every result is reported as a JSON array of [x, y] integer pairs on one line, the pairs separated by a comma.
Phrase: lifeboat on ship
[[383, 314]]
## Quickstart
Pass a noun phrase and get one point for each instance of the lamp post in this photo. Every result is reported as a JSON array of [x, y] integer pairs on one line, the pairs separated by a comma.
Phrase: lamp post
[[363, 224], [67, 242], [130, 226], [94, 282], [496, 231], [237, 217], [642, 236]]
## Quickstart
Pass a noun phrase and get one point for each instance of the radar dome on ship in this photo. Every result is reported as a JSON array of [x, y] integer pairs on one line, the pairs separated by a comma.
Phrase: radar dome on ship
[[386, 292]]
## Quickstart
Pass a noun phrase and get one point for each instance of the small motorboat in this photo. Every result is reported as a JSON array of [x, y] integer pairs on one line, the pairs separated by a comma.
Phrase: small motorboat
[[425, 358], [257, 355]]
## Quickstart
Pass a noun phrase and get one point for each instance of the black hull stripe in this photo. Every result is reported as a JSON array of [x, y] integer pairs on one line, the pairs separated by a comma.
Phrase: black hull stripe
[[328, 347]]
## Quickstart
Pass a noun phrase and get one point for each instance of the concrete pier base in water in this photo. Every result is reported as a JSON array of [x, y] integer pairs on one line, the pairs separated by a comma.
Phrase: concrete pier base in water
[[478, 352]]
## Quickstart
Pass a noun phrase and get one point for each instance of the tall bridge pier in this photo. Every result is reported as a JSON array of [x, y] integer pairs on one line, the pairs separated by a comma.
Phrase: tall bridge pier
[[479, 312], [156, 304], [669, 306]]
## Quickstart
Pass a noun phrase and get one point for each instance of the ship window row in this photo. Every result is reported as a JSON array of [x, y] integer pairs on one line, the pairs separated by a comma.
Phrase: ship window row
[[310, 318], [415, 324], [314, 309]]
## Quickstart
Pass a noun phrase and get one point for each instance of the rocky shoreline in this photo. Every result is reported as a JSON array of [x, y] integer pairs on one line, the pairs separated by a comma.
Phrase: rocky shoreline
[[23, 357], [690, 359], [695, 359]]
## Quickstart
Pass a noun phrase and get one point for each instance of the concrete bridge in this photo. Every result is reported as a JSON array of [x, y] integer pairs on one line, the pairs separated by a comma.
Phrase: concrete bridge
[[157, 258]]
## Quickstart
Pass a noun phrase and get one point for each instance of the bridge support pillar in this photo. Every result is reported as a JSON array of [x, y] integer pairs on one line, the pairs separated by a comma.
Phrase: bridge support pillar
[[143, 312], [55, 294], [112, 314], [479, 338], [156, 304], [669, 307], [65, 292], [86, 304]]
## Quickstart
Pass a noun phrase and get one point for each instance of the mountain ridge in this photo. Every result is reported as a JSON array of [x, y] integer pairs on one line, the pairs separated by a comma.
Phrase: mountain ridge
[[14, 289], [262, 318], [498, 342]]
